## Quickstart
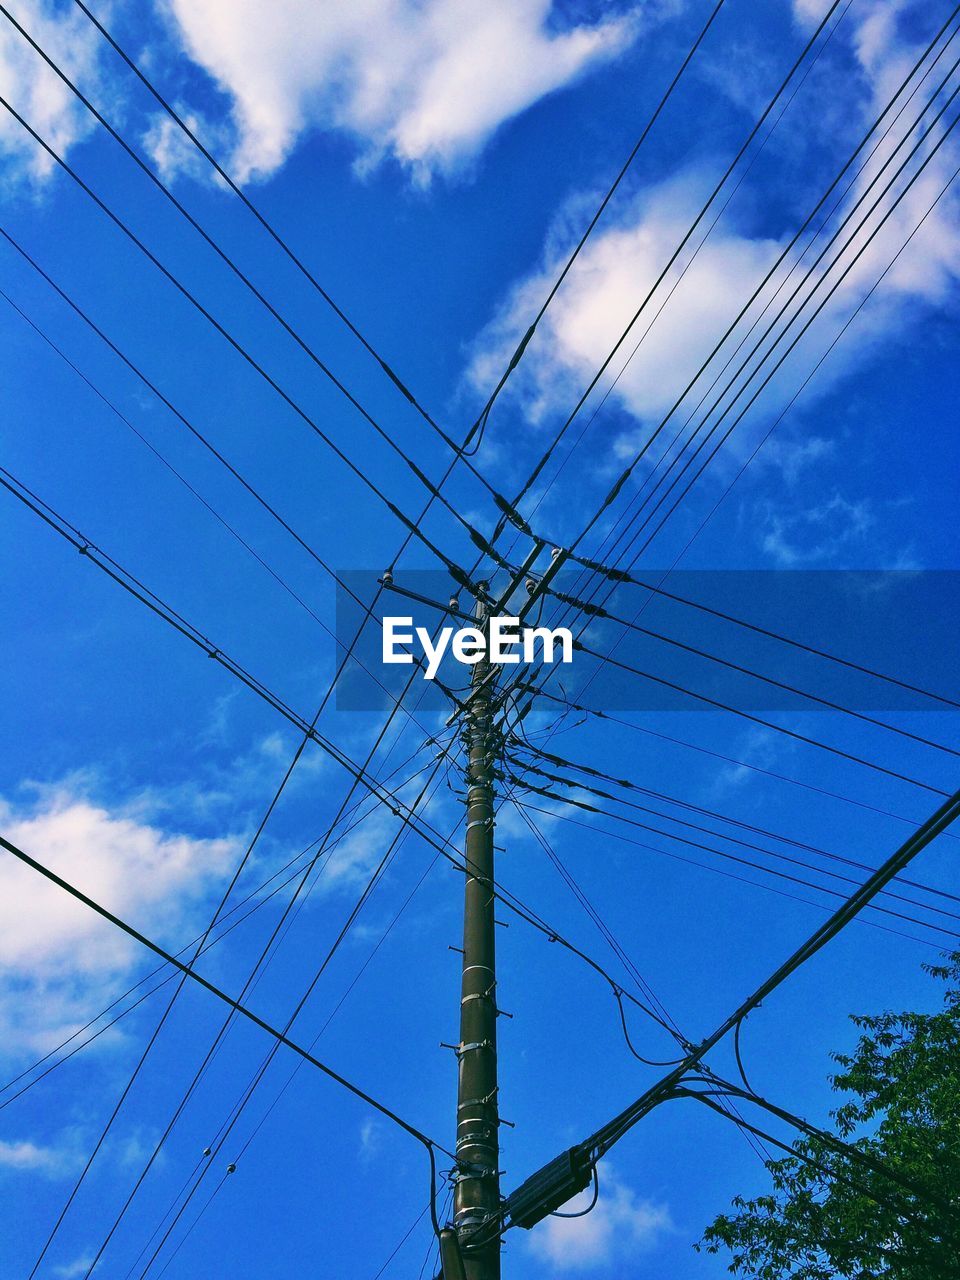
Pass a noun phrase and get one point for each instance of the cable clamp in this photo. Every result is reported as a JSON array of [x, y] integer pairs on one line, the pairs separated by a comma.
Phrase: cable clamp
[[479, 1102], [472, 1047]]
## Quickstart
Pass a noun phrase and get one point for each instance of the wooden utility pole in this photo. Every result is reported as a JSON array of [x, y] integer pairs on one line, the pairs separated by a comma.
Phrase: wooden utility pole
[[476, 1201]]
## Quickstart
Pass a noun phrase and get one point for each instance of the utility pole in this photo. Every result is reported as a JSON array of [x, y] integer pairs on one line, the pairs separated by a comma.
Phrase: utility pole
[[476, 1202]]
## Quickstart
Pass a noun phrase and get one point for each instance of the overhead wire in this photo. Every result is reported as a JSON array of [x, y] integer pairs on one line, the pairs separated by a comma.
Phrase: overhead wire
[[558, 436], [229, 262], [589, 807], [631, 465], [279, 240], [613, 661], [784, 255], [898, 199], [544, 491], [358, 471], [598, 611], [909, 238], [690, 807], [310, 733], [599, 714], [241, 1010], [560, 816], [939, 820], [826, 195], [187, 1093], [518, 354]]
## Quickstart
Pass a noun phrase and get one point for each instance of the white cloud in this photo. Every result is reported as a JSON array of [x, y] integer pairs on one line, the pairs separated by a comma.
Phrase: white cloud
[[612, 276], [426, 82], [684, 319], [371, 1140], [36, 92], [621, 1223], [59, 958], [28, 1157], [817, 534], [70, 1270]]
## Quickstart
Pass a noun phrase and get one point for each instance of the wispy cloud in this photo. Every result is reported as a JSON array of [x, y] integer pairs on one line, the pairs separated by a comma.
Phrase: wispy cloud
[[688, 313], [37, 93], [424, 83], [30, 1157], [621, 1223], [58, 957]]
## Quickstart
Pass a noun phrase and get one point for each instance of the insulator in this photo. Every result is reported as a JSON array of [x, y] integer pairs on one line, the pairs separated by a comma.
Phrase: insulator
[[455, 603], [531, 586], [387, 578]]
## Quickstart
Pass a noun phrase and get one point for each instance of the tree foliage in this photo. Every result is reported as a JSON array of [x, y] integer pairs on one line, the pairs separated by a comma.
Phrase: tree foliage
[[828, 1216]]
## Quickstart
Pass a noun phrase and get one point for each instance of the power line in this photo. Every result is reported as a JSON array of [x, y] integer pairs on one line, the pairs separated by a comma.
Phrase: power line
[[531, 480], [260, 896], [234, 533], [688, 806], [598, 214], [619, 836], [261, 219], [782, 257], [224, 997], [358, 471], [228, 261], [823, 199], [595, 712], [223, 1031], [681, 274], [871, 236], [622, 479], [759, 720], [931, 154], [359, 773], [603, 1139], [755, 628], [597, 611], [749, 862]]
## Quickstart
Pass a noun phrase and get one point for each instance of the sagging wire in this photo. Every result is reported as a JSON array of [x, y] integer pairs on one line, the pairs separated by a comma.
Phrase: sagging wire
[[582, 1213]]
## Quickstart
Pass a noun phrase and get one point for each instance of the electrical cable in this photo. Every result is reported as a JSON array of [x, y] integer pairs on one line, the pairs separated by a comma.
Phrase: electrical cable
[[849, 267], [518, 354], [622, 479], [358, 471], [947, 813], [705, 866], [227, 260], [261, 219], [598, 611], [531, 480], [753, 719], [823, 199], [221, 1138], [428, 1143], [579, 787], [681, 275], [748, 862], [254, 894], [782, 257]]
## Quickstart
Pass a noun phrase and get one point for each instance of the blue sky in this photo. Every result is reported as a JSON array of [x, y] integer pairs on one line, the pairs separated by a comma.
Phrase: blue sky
[[433, 164]]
